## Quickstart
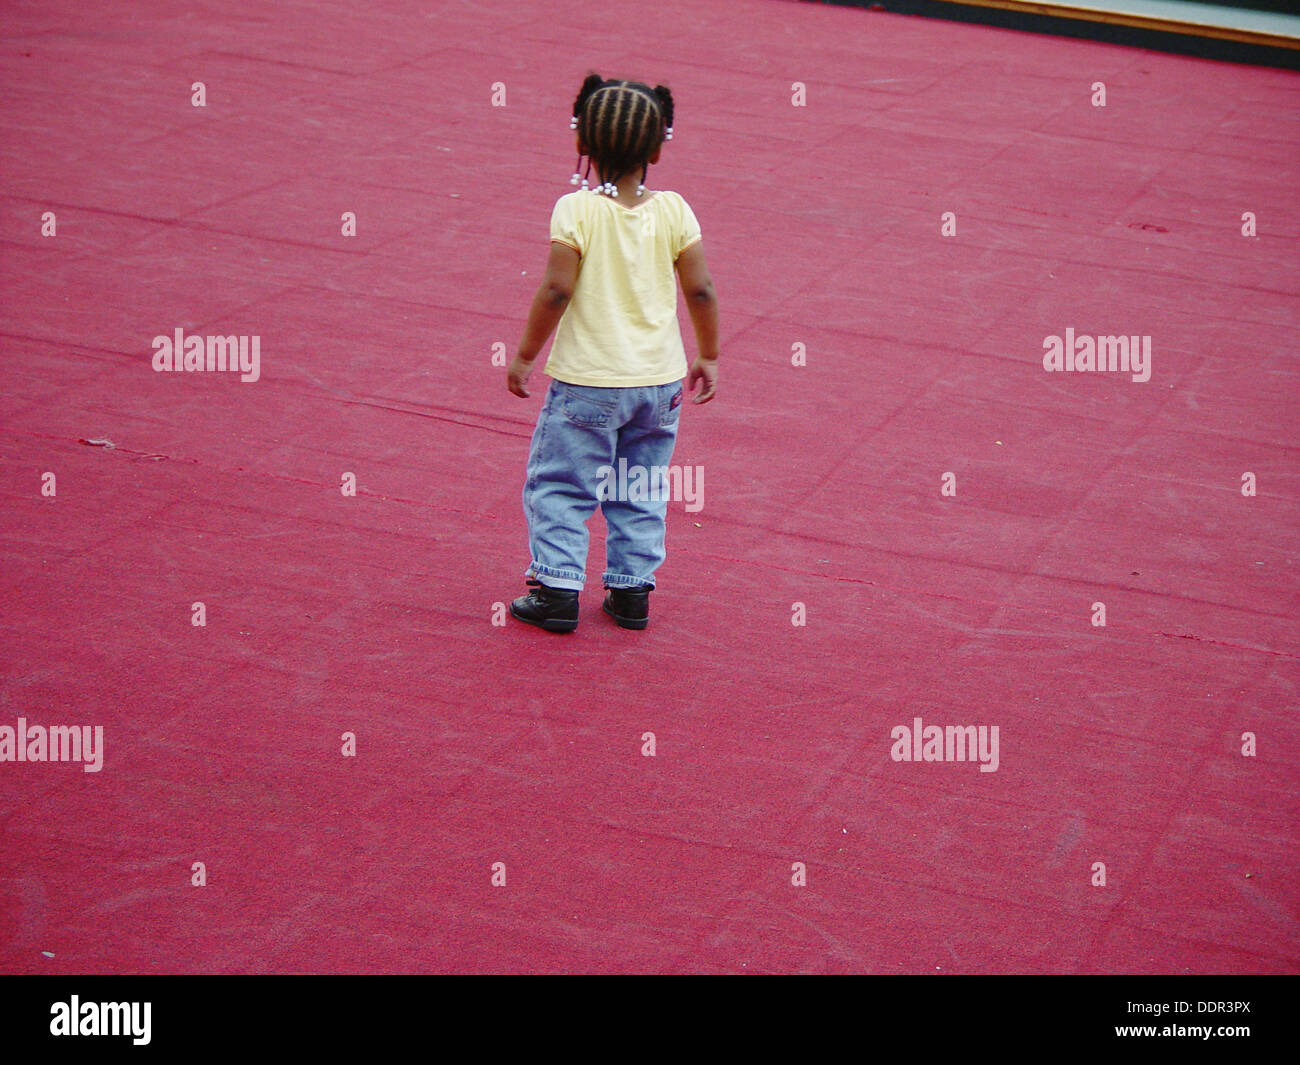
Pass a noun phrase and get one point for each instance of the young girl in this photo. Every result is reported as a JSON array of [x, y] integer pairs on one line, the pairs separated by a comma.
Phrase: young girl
[[617, 363]]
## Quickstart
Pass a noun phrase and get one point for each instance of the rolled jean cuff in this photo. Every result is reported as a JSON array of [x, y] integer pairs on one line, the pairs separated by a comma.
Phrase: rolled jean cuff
[[557, 578], [622, 580]]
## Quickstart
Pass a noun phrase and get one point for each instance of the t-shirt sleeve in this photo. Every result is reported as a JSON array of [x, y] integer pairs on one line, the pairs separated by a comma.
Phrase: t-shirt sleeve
[[566, 225], [688, 229]]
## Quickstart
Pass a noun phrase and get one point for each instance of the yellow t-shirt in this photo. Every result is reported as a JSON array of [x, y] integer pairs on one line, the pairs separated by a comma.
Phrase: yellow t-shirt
[[620, 329]]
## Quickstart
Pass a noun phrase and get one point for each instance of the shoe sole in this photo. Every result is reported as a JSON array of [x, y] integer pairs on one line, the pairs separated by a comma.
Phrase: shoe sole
[[626, 623], [549, 624]]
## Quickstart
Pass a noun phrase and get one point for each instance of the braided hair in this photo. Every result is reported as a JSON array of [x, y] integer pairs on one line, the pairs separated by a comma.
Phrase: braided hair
[[620, 124]]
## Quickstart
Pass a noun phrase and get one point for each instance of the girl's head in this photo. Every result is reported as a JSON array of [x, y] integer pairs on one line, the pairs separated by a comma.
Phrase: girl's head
[[621, 126]]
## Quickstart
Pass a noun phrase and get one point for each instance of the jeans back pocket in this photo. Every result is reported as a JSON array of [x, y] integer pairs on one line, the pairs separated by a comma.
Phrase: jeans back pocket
[[588, 405]]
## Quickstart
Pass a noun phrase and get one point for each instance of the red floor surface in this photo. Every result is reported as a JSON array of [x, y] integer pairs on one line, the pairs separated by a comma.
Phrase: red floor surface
[[479, 743]]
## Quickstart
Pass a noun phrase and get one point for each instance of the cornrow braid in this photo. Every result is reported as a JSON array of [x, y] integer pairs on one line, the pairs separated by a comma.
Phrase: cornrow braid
[[620, 124], [590, 85], [665, 96]]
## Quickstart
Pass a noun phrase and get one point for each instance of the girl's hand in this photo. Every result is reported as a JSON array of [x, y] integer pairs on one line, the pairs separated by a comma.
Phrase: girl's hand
[[517, 374], [705, 372]]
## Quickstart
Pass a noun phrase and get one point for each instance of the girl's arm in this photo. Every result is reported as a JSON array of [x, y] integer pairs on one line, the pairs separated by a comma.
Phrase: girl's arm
[[702, 302], [553, 295]]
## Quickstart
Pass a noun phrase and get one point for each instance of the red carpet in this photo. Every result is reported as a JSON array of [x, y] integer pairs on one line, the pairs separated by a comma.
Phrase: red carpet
[[478, 744]]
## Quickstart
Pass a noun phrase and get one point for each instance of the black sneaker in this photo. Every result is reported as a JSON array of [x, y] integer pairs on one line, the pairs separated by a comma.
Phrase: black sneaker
[[630, 607], [552, 609]]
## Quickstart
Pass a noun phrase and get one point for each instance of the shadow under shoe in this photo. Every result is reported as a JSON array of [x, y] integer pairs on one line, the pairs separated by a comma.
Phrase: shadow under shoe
[[630, 607], [552, 609]]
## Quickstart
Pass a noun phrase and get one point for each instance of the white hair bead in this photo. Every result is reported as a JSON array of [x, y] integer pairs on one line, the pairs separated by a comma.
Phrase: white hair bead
[[669, 135], [573, 122], [640, 190]]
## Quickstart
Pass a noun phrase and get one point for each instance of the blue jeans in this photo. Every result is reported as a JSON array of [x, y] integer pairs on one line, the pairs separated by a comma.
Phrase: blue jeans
[[582, 434]]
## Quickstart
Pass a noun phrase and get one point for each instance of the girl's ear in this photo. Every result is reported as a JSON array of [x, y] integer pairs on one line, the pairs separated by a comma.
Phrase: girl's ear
[[655, 157], [582, 148]]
